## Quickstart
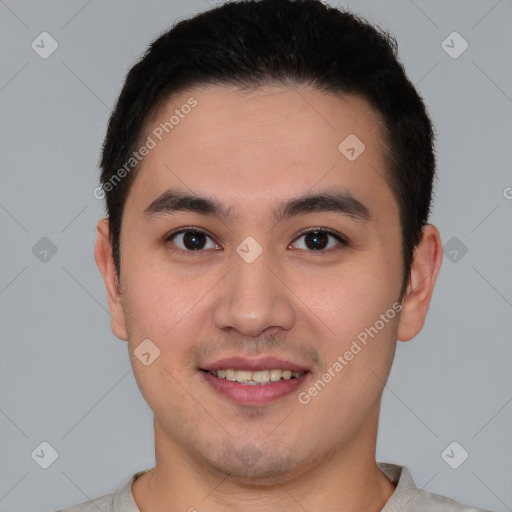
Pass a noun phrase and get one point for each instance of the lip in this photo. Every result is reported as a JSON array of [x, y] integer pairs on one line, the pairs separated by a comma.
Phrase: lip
[[247, 394]]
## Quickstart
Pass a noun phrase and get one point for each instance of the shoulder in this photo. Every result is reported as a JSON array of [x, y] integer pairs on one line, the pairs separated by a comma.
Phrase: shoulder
[[427, 501], [118, 501], [103, 503], [409, 498]]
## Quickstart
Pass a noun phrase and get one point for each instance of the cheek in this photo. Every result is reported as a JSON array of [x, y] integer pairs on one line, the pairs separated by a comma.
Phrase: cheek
[[349, 298], [357, 311], [163, 309], [357, 352], [156, 297], [168, 307]]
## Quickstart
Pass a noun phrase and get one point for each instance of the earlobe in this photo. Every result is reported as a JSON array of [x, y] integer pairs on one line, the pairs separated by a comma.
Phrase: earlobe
[[105, 263], [427, 260]]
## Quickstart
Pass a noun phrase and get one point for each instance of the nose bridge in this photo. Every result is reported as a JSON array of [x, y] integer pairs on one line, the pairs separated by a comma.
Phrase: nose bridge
[[252, 298]]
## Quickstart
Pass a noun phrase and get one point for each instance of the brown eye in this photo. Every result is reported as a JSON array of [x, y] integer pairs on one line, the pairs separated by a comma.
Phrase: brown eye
[[191, 240], [318, 240]]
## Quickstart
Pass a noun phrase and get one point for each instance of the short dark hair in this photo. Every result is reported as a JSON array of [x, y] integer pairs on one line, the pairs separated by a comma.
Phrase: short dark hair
[[281, 42]]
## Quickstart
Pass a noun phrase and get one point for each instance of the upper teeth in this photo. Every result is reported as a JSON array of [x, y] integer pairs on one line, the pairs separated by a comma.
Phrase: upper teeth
[[258, 377]]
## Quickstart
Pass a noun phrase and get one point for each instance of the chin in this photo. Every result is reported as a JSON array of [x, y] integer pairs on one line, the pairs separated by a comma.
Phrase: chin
[[253, 467]]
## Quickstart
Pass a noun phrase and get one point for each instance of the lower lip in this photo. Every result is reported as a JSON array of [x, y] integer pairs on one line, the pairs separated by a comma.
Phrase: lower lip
[[253, 394]]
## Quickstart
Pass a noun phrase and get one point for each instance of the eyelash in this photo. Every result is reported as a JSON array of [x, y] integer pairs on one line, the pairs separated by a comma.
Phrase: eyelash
[[343, 241]]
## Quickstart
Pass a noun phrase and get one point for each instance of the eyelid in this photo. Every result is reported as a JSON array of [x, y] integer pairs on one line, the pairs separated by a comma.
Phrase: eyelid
[[168, 237], [329, 231], [342, 239], [184, 229]]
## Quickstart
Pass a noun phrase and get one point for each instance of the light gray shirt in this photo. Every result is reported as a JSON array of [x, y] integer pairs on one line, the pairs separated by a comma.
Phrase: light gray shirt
[[406, 498]]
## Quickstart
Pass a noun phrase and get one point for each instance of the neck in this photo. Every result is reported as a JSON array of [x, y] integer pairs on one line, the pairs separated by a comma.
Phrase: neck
[[346, 480]]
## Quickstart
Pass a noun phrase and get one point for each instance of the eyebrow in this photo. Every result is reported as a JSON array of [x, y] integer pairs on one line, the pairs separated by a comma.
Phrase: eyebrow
[[337, 202]]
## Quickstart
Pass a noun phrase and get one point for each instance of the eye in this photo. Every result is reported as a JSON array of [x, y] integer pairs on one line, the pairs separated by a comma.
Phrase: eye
[[318, 240], [192, 240]]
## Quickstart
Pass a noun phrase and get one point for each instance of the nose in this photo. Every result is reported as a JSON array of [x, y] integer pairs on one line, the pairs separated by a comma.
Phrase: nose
[[253, 299]]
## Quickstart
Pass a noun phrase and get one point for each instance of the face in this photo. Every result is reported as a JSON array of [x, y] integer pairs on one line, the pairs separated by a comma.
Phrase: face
[[254, 248]]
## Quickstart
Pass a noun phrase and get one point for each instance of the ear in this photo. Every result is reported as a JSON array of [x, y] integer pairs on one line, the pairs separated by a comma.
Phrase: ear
[[105, 262], [426, 263]]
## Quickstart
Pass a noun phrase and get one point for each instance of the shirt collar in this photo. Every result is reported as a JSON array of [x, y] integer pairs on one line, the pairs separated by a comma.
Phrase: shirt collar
[[400, 476]]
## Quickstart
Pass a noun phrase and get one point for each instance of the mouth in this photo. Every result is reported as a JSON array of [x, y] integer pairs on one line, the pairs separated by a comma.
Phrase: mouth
[[250, 382]]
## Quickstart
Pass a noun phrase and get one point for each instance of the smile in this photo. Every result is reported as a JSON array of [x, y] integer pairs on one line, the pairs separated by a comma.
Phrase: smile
[[260, 377]]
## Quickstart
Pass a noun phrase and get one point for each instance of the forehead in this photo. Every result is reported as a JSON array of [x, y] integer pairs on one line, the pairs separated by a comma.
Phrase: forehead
[[265, 143]]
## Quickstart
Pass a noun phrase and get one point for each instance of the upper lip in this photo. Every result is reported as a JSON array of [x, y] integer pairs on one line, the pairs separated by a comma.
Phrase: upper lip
[[262, 363]]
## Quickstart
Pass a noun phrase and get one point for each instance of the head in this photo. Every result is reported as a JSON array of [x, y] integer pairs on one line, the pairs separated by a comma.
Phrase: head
[[278, 210]]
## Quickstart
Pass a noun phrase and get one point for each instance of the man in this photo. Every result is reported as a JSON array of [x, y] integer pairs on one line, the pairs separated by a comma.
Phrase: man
[[268, 172]]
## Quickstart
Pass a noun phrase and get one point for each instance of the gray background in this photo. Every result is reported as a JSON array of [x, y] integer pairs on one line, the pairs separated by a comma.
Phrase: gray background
[[66, 380]]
